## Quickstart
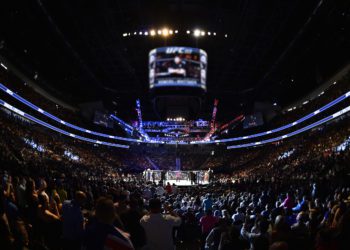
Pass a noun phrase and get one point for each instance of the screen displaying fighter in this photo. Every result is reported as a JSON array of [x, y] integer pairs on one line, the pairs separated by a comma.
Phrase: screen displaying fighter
[[177, 66]]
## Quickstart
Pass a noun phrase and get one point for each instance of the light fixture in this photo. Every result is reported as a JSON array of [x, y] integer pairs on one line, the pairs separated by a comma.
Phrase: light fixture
[[196, 33], [165, 32], [2, 65]]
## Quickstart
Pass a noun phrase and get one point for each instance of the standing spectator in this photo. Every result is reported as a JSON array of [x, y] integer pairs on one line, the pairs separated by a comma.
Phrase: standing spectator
[[207, 222], [159, 227], [207, 203], [73, 221], [258, 239], [168, 188], [48, 222], [213, 239], [160, 190], [102, 234], [174, 188], [131, 220], [288, 202], [238, 217]]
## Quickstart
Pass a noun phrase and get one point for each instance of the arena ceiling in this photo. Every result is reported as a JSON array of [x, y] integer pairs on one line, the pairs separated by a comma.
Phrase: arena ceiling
[[275, 51]]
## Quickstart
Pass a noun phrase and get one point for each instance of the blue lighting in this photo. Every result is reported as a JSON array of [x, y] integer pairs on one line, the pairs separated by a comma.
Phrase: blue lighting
[[32, 118], [47, 114], [298, 131], [325, 107], [146, 139]]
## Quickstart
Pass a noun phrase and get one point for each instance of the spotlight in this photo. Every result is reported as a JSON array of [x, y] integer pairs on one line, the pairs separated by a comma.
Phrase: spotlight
[[209, 34], [188, 32], [171, 32], [125, 34], [226, 35], [146, 33], [135, 33], [159, 32], [196, 33], [165, 32], [202, 33], [176, 31], [153, 32], [214, 33], [140, 33]]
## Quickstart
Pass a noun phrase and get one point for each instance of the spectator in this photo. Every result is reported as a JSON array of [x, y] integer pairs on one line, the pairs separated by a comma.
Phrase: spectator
[[207, 203], [259, 239], [207, 222], [73, 221], [159, 227], [101, 233]]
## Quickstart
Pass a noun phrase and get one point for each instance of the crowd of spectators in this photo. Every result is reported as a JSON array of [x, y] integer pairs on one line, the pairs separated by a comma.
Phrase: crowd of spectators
[[57, 193], [50, 201]]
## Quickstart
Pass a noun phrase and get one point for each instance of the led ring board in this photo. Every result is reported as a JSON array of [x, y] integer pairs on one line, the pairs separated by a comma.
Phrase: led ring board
[[177, 67]]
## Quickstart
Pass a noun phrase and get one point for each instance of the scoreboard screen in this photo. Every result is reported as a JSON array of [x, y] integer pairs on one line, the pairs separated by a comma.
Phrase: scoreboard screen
[[177, 67]]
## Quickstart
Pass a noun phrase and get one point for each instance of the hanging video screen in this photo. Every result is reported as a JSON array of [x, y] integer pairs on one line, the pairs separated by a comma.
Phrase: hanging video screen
[[177, 66], [253, 120]]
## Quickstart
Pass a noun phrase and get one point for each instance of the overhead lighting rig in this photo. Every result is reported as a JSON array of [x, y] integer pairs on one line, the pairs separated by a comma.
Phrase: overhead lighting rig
[[167, 32]]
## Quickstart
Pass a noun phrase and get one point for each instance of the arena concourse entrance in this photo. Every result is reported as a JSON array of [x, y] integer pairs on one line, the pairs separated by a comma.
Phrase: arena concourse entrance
[[179, 178]]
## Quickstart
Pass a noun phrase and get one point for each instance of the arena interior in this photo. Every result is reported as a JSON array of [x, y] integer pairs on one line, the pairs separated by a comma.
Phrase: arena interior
[[162, 125]]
